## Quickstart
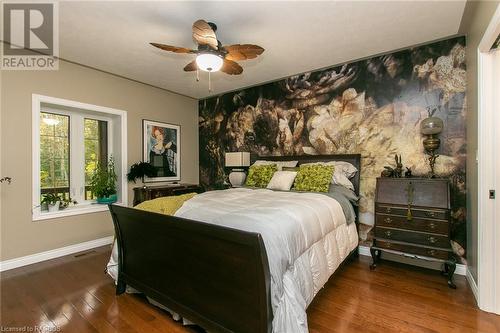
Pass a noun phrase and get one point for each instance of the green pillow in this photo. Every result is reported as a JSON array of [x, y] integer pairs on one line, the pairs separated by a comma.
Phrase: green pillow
[[260, 175], [314, 178]]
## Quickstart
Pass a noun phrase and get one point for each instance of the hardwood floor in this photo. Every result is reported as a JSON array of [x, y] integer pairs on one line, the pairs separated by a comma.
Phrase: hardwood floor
[[72, 294]]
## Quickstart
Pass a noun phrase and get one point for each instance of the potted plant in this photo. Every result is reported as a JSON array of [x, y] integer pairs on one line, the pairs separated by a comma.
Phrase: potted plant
[[64, 203], [52, 200], [140, 170], [103, 182]]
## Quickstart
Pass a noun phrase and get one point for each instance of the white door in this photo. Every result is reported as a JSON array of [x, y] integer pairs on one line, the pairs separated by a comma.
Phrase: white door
[[489, 182]]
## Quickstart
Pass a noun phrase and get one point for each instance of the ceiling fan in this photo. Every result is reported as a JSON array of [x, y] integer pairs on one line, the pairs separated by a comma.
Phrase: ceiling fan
[[211, 55]]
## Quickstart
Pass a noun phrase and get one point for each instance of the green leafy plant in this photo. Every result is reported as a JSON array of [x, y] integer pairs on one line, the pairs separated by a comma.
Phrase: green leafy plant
[[103, 181], [140, 170], [66, 202], [50, 199]]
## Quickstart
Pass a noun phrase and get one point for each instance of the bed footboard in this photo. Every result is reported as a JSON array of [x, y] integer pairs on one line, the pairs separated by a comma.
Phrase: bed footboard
[[215, 276]]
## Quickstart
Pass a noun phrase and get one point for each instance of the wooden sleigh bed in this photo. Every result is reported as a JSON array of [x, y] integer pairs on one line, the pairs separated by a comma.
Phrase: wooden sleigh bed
[[214, 276]]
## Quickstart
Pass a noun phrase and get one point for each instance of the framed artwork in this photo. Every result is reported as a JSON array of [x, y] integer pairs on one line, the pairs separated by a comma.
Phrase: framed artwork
[[161, 144]]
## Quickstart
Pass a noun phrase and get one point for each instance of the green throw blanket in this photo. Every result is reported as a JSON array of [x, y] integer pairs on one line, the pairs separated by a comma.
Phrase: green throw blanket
[[165, 205]]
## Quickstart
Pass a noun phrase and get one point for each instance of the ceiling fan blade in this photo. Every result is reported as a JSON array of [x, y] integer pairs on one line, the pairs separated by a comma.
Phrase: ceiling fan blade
[[243, 51], [171, 48], [191, 66], [203, 34], [230, 67]]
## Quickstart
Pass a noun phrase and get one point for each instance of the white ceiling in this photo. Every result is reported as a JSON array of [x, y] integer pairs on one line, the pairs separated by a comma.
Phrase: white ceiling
[[301, 36]]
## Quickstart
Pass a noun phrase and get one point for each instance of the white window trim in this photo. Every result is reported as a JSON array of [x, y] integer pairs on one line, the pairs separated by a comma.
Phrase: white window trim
[[86, 207]]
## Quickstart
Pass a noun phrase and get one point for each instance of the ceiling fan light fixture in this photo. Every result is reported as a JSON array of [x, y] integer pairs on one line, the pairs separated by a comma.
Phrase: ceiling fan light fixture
[[209, 62]]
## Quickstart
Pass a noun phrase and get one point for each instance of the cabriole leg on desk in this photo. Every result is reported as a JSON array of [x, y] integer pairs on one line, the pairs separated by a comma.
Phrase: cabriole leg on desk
[[450, 267], [375, 257]]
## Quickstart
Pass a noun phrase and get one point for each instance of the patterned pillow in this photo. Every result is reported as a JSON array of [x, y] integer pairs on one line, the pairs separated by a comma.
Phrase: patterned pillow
[[260, 175], [314, 178]]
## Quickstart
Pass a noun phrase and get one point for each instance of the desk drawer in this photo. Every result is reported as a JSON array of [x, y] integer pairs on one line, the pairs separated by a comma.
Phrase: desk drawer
[[410, 249], [413, 237], [420, 192], [418, 224], [439, 214]]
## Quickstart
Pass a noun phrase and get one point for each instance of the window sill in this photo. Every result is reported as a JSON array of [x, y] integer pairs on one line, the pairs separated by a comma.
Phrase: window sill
[[71, 211]]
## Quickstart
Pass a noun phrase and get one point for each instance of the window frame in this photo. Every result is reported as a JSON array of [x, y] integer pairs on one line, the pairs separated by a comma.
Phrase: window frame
[[114, 117]]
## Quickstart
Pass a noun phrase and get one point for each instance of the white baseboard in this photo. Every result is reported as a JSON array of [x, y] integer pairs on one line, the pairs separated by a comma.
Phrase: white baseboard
[[56, 253], [473, 285], [365, 251]]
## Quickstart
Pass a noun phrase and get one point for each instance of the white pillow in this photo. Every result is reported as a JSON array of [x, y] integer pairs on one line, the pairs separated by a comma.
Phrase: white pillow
[[340, 179], [346, 168], [279, 164], [282, 180]]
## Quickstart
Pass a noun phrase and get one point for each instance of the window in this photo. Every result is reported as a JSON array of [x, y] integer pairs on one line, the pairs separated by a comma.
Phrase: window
[[70, 141], [54, 154]]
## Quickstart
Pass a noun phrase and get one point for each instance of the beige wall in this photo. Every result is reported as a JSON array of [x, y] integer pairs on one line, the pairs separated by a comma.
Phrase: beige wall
[[19, 235], [474, 23]]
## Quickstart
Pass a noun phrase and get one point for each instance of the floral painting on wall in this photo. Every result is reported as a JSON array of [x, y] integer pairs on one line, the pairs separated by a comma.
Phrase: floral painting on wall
[[372, 107]]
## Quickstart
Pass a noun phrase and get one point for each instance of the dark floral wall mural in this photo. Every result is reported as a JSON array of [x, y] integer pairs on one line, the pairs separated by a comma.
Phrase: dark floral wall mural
[[373, 107], [496, 44]]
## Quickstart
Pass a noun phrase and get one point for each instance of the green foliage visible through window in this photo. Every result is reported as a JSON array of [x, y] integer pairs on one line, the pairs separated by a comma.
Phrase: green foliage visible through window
[[95, 137], [54, 154]]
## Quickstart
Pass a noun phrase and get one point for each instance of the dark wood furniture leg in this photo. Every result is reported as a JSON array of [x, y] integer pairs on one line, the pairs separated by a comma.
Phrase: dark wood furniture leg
[[376, 257], [121, 286], [449, 270]]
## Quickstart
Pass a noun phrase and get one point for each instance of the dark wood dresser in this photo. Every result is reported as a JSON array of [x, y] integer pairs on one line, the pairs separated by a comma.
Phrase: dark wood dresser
[[412, 218], [152, 192]]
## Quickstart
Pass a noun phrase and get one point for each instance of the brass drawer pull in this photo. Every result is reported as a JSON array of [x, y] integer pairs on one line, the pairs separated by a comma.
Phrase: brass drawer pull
[[388, 209], [432, 240], [388, 220], [388, 233], [432, 226], [431, 252], [430, 214]]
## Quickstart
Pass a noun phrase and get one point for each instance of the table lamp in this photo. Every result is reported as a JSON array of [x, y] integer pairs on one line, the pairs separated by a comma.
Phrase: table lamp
[[431, 127], [237, 160]]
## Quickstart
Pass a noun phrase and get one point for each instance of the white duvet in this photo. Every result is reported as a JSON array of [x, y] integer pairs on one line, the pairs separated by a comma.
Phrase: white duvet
[[305, 235]]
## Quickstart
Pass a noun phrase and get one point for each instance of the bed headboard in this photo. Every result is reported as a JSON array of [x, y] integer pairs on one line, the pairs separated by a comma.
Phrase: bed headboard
[[354, 159]]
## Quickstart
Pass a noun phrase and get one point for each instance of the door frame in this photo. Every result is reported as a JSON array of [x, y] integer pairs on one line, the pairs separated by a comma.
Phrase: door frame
[[488, 165]]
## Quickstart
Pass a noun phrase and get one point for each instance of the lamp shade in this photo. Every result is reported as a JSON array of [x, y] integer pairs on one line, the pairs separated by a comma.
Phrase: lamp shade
[[237, 159], [431, 126]]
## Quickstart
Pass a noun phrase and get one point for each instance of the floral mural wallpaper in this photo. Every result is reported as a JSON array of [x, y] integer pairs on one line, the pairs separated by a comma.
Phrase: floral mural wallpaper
[[373, 107]]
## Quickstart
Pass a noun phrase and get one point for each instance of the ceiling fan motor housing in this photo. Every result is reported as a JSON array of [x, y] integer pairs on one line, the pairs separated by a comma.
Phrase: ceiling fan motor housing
[[213, 26]]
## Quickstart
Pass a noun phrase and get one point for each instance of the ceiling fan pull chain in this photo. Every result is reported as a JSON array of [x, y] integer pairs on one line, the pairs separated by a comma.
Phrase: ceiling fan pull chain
[[197, 75]]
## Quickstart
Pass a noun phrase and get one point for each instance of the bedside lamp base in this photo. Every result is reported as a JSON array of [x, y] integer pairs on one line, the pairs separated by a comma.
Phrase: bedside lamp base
[[237, 177]]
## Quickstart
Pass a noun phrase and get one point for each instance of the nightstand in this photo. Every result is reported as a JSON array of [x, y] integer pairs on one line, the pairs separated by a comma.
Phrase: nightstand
[[152, 192], [412, 218]]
